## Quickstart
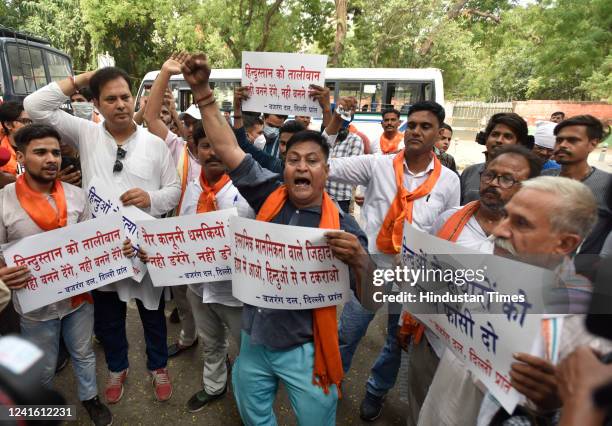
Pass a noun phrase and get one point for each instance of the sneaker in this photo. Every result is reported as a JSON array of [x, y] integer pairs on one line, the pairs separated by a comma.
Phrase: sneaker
[[201, 398], [161, 382], [176, 348], [371, 407], [114, 386], [99, 413]]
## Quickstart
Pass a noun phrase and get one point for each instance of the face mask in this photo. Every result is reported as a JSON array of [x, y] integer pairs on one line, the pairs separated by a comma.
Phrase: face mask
[[270, 131], [260, 142], [83, 110]]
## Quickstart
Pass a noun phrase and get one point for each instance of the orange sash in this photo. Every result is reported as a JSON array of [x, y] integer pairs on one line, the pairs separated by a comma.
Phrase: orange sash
[[184, 175], [45, 216], [208, 200], [390, 235], [389, 146], [454, 225], [327, 362], [11, 166]]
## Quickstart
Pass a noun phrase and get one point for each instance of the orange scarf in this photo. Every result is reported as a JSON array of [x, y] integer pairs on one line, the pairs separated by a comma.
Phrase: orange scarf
[[389, 146], [452, 228], [208, 200], [390, 235], [45, 216], [11, 166], [327, 361]]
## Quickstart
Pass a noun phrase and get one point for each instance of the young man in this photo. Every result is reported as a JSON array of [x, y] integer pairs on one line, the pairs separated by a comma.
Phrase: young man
[[279, 344], [217, 313], [576, 138], [390, 141], [272, 125], [138, 164], [12, 118], [557, 117], [469, 226], [544, 144], [504, 128], [35, 203], [441, 148], [411, 185]]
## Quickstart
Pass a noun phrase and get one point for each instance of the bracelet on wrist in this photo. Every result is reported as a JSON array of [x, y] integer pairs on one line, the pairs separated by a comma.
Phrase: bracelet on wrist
[[205, 104], [204, 98], [74, 85]]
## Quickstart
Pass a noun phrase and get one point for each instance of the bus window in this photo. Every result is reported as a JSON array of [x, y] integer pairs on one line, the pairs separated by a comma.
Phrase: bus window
[[224, 91], [26, 68], [368, 95], [401, 95], [59, 66]]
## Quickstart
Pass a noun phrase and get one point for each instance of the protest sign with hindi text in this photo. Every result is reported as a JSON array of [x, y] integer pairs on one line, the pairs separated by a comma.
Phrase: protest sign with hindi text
[[104, 201], [188, 249], [70, 260], [278, 83], [484, 313], [285, 267]]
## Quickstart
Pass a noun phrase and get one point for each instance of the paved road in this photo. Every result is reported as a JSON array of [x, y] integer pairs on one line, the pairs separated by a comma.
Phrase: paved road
[[139, 407]]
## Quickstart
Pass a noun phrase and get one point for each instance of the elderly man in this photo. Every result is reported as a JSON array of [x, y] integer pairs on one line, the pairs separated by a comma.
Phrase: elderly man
[[504, 128], [280, 345], [469, 226], [545, 221], [139, 166]]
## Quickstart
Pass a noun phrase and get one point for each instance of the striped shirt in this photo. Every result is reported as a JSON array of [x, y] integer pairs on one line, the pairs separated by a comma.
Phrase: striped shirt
[[351, 146]]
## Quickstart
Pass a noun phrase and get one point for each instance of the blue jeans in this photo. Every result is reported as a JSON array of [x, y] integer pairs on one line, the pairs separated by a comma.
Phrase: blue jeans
[[109, 325], [76, 328], [255, 378], [353, 325]]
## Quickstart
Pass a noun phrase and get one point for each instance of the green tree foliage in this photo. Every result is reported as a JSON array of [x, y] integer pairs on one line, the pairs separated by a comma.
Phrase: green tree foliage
[[546, 49]]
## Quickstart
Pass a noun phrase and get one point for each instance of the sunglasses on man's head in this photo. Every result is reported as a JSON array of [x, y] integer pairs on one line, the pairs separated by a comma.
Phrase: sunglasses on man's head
[[120, 156]]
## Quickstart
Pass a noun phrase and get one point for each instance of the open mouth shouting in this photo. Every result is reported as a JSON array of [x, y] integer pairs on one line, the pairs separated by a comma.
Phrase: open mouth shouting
[[302, 183]]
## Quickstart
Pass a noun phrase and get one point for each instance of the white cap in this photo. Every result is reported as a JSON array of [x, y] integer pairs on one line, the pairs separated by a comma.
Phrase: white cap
[[544, 135], [193, 111]]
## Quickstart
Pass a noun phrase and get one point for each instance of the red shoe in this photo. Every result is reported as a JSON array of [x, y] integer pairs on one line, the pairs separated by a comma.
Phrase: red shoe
[[161, 382], [114, 386]]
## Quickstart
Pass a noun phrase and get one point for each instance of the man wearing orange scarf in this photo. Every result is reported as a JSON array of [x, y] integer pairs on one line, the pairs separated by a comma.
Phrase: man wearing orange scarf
[[216, 312], [410, 186], [12, 118], [391, 140], [470, 227], [300, 347], [35, 203]]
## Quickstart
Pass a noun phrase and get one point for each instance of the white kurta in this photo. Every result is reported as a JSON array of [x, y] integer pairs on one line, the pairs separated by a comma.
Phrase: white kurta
[[147, 165]]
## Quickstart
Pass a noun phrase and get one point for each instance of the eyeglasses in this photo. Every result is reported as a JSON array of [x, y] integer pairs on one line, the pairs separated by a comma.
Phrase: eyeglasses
[[504, 181], [24, 121], [120, 156]]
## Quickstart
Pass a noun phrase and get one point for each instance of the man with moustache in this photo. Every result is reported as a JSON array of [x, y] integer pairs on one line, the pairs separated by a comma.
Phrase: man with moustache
[[37, 202], [411, 185], [469, 226], [576, 138], [390, 141]]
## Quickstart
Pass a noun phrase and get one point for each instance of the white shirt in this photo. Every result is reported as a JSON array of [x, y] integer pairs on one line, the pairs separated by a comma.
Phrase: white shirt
[[472, 236], [376, 173], [227, 197], [147, 165]]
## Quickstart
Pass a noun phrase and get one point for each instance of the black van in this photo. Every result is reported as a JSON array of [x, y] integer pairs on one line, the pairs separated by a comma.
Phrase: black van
[[28, 63]]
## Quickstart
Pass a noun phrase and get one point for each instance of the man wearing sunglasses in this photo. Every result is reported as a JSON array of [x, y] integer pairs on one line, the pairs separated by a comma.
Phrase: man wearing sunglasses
[[139, 166]]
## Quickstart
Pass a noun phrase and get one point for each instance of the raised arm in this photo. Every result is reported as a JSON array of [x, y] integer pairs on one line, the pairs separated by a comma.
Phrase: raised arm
[[322, 95], [197, 72], [240, 94], [156, 97], [349, 103]]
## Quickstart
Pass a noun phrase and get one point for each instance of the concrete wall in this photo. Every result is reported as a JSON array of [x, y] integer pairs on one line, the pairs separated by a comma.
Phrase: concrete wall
[[541, 110]]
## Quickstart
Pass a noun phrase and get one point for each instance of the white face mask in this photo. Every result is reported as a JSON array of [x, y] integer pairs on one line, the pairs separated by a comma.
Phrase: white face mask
[[259, 142]]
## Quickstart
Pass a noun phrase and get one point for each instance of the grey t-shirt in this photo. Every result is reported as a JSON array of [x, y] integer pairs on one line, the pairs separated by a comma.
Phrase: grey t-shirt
[[470, 183], [277, 328]]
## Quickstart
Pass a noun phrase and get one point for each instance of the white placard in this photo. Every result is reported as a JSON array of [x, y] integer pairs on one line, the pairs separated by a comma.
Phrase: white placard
[[279, 83], [485, 333], [285, 267], [188, 249], [103, 200], [69, 261]]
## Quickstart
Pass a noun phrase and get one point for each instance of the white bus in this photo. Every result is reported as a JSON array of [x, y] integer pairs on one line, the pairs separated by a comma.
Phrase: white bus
[[374, 88]]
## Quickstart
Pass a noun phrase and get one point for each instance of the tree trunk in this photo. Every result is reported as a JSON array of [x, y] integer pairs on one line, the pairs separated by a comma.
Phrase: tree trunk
[[341, 29]]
